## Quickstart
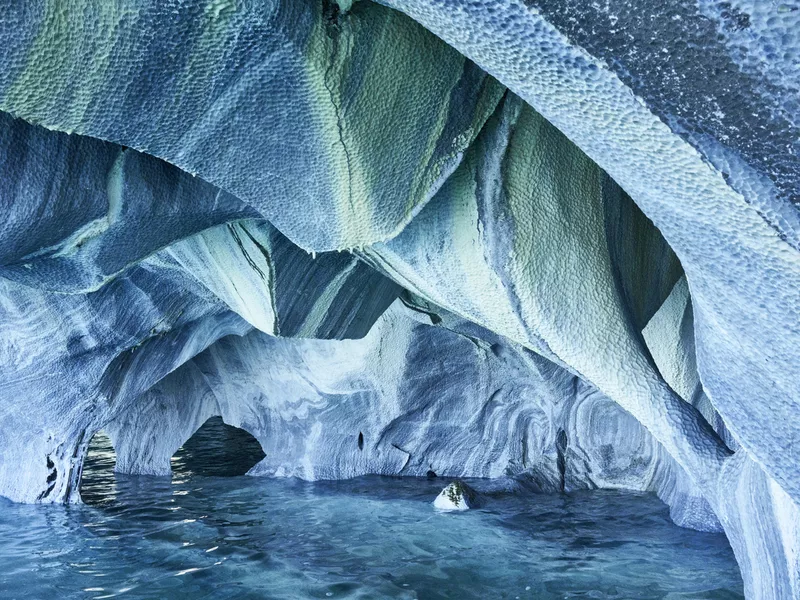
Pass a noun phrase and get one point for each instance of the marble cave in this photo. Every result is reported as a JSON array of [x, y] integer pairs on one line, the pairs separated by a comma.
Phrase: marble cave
[[499, 299]]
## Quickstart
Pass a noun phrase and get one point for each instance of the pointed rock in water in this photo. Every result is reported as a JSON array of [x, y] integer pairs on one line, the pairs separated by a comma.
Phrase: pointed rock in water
[[457, 495]]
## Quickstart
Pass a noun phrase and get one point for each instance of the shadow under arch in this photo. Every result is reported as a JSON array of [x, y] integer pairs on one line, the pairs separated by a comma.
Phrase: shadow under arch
[[98, 479], [217, 449]]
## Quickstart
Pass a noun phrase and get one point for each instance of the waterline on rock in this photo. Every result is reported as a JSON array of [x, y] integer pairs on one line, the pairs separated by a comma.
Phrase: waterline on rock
[[372, 537]]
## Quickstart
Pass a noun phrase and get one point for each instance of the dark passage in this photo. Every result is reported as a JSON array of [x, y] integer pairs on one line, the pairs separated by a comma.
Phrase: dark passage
[[98, 481], [217, 450]]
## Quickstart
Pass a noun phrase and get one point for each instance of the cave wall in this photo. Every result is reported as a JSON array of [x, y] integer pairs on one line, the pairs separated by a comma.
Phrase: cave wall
[[481, 407]]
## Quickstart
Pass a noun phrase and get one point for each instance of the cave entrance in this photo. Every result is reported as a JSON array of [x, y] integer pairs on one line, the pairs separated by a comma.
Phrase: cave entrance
[[97, 477], [217, 450]]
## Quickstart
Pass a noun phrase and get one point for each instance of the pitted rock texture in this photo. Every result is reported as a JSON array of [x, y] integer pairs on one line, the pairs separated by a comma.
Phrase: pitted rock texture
[[300, 109]]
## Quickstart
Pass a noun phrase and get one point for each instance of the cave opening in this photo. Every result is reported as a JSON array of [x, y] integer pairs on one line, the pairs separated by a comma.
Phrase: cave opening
[[217, 449], [98, 480]]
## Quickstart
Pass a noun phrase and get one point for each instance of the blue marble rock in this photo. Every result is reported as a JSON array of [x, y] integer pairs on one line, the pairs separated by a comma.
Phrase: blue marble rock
[[548, 243], [304, 111]]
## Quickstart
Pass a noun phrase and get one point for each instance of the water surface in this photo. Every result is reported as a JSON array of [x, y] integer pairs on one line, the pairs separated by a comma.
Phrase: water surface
[[201, 535]]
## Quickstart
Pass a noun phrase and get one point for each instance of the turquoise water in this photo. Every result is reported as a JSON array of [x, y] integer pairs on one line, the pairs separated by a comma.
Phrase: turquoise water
[[201, 535]]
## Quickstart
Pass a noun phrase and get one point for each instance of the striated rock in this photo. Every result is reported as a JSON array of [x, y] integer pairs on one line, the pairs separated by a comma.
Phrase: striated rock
[[325, 410], [79, 212]]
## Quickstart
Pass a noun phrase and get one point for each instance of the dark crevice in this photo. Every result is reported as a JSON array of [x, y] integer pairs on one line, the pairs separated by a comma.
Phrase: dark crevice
[[408, 457], [52, 476], [332, 17], [331, 13], [524, 451], [408, 303], [561, 448], [248, 258]]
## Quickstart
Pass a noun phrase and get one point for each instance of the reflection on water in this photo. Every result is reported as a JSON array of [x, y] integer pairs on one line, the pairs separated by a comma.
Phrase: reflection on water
[[200, 535]]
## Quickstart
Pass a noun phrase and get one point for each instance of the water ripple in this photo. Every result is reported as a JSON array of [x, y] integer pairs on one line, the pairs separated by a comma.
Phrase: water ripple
[[200, 535]]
